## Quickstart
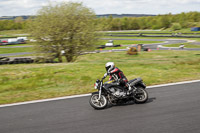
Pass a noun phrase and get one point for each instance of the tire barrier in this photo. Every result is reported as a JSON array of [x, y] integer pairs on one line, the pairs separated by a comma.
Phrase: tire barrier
[[6, 60]]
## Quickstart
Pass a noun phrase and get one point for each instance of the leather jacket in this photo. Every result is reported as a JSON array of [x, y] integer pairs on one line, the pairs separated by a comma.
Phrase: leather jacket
[[117, 74]]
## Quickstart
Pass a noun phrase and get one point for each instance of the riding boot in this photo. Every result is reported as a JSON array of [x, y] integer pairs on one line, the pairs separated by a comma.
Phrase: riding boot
[[129, 90]]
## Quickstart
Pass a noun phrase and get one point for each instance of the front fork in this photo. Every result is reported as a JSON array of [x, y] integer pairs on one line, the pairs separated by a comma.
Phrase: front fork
[[99, 95], [100, 91]]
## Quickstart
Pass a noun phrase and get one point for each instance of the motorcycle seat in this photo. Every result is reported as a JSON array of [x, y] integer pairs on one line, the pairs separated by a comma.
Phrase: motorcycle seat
[[133, 81]]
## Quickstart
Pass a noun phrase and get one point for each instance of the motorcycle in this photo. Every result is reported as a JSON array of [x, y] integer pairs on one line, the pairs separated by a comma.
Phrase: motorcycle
[[111, 92]]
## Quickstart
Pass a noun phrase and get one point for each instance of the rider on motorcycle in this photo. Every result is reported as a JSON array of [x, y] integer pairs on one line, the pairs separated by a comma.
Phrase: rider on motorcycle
[[116, 74]]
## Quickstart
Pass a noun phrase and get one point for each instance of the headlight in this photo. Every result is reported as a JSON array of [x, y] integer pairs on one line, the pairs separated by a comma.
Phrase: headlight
[[95, 85]]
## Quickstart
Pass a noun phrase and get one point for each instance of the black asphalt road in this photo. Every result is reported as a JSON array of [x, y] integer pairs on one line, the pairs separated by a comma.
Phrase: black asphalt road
[[171, 109]]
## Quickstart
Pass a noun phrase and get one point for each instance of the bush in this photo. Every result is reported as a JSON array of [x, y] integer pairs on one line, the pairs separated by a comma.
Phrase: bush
[[132, 51], [176, 26]]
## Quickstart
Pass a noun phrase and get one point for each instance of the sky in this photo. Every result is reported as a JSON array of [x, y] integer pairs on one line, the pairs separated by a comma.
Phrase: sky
[[155, 7]]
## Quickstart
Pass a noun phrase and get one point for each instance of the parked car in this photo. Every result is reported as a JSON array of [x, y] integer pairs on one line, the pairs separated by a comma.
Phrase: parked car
[[12, 41], [3, 42], [109, 43]]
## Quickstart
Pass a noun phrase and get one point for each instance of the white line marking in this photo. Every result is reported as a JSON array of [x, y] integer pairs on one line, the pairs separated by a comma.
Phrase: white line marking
[[177, 83], [83, 95], [44, 100]]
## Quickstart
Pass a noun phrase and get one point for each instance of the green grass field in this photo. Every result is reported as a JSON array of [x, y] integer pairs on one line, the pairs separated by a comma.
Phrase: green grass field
[[24, 82], [13, 33], [187, 45], [15, 50]]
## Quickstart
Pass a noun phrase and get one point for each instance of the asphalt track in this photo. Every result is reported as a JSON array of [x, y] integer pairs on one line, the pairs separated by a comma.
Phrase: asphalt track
[[170, 109], [164, 42]]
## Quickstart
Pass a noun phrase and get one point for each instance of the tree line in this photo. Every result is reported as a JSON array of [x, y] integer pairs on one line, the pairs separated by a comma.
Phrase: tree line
[[176, 22], [16, 24]]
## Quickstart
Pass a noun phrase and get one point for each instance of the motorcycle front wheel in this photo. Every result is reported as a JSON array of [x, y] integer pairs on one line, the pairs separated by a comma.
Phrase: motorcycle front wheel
[[97, 103], [140, 95]]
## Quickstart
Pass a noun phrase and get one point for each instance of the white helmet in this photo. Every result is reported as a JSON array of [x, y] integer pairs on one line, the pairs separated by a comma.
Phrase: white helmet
[[110, 66]]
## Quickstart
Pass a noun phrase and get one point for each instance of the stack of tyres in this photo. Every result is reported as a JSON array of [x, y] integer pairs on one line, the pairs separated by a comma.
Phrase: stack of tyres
[[6, 60], [22, 60]]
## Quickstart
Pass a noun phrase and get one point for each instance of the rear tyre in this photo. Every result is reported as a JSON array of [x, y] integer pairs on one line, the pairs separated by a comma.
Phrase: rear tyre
[[98, 104], [140, 95]]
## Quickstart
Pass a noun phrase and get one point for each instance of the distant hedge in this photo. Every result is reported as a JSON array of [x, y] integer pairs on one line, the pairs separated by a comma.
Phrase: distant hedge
[[182, 20], [16, 24]]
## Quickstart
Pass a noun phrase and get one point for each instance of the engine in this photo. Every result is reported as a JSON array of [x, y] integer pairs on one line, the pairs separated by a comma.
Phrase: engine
[[117, 92]]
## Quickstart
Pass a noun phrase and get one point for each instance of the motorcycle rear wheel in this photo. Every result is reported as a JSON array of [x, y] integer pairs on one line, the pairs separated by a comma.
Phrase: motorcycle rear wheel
[[98, 104], [141, 95]]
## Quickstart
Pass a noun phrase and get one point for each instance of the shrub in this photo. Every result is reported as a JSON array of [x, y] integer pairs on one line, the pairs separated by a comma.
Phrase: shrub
[[132, 51], [176, 26]]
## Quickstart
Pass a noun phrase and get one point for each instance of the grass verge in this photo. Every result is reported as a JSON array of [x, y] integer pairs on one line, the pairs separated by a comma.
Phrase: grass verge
[[15, 50], [24, 82], [187, 45]]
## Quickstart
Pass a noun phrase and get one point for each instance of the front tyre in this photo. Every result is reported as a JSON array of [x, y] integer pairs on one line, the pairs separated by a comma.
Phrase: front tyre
[[140, 95], [98, 104]]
